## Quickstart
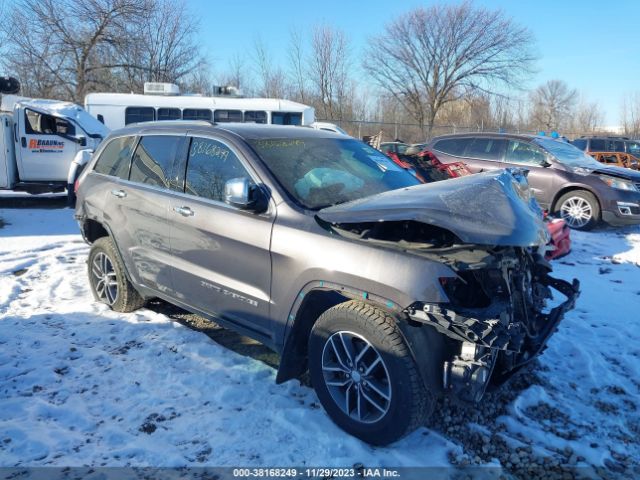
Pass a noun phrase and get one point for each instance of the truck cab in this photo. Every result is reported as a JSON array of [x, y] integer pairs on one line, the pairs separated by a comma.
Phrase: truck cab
[[44, 143]]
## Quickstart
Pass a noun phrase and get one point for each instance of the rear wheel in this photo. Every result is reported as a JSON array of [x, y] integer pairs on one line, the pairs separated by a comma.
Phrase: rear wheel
[[364, 374], [579, 209], [109, 283]]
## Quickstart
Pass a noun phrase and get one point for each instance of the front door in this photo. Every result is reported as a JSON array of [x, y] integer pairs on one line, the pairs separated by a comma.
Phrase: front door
[[45, 146], [222, 262], [541, 178]]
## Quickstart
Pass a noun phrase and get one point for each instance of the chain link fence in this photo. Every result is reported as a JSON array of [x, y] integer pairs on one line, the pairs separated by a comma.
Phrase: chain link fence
[[412, 133]]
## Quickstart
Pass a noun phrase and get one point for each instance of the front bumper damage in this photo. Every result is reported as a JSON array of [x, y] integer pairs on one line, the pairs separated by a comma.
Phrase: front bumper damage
[[498, 340]]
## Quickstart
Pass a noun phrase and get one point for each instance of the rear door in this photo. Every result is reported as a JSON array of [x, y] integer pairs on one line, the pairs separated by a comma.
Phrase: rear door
[[45, 146], [136, 209], [484, 154], [222, 261], [542, 179]]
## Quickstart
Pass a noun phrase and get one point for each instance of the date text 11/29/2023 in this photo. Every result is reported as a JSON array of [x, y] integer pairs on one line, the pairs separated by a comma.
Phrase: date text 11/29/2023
[[319, 472]]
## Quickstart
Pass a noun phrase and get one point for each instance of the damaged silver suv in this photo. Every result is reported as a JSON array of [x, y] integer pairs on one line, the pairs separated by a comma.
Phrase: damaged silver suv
[[387, 291]]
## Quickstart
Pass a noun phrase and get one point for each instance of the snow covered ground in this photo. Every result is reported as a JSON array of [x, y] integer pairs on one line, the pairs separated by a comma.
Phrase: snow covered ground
[[81, 385]]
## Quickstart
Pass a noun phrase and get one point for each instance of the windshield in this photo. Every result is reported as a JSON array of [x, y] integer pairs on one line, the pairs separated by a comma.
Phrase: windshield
[[567, 154], [633, 148], [320, 172]]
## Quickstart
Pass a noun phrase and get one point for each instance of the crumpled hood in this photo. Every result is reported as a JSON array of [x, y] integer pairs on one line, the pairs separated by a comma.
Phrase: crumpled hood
[[490, 208], [620, 172]]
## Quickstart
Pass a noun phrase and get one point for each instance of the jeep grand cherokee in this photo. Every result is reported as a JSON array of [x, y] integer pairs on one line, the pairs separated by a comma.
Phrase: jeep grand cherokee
[[387, 291]]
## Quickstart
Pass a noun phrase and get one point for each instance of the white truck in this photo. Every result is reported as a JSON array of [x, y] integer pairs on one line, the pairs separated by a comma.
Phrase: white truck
[[44, 144]]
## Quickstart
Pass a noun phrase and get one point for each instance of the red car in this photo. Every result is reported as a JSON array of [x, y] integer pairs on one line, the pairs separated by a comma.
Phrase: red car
[[426, 167]]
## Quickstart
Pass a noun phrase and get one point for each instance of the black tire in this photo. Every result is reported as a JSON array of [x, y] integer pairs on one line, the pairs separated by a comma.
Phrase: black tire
[[410, 402], [126, 298], [71, 195], [578, 197]]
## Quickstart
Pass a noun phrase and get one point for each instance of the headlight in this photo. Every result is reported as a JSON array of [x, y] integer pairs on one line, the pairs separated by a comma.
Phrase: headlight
[[619, 183]]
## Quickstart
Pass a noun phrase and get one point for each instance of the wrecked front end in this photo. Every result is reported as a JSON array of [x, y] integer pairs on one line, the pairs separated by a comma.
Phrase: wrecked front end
[[488, 230]]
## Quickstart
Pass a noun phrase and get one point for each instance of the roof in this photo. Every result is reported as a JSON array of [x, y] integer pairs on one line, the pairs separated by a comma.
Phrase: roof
[[517, 136], [248, 131]]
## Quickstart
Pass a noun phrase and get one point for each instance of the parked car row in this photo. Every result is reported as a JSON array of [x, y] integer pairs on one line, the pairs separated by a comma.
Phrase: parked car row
[[388, 290], [564, 180]]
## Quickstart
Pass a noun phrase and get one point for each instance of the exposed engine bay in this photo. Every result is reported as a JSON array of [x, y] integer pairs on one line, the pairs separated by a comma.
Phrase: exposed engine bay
[[497, 315]]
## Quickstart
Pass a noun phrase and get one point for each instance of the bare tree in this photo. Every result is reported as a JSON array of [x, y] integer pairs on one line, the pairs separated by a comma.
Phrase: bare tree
[[552, 104], [328, 70], [587, 118], [298, 71], [631, 115], [272, 78], [62, 42], [429, 57]]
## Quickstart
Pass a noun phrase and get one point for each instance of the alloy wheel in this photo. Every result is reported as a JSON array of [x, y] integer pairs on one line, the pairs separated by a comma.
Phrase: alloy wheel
[[104, 278], [356, 376], [576, 211]]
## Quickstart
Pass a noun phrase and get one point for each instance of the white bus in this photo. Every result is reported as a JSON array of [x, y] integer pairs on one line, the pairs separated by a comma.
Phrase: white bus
[[116, 110]]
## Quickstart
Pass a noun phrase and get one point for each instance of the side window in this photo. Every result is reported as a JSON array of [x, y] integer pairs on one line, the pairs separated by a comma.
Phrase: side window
[[222, 116], [286, 118], [452, 146], [255, 117], [486, 149], [115, 158], [211, 163], [139, 114], [196, 114], [154, 159], [385, 148], [402, 149], [169, 114], [37, 123], [597, 145], [524, 152], [616, 146], [580, 143]]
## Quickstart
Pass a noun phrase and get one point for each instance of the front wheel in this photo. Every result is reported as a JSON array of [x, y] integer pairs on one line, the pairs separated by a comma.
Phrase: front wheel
[[364, 374], [580, 209]]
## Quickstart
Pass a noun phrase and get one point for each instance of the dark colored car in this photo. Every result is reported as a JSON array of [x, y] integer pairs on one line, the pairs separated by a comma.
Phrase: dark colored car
[[617, 151], [563, 179], [389, 292]]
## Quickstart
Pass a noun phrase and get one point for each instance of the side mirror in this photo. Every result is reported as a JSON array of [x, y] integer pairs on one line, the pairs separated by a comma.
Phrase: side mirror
[[241, 193]]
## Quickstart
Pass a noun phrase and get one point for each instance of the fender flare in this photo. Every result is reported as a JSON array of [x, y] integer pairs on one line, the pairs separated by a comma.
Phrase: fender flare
[[81, 158]]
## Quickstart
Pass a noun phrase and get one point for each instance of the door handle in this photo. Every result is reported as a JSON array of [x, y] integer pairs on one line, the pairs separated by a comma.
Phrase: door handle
[[184, 211], [24, 142], [119, 193]]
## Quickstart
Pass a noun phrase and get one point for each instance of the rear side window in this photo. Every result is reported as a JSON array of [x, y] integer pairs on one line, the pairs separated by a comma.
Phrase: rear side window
[[154, 159], [169, 114], [222, 116], [579, 143], [196, 114], [615, 146], [597, 145], [452, 146], [139, 114], [286, 118], [211, 164], [524, 152], [255, 117], [486, 149], [115, 158]]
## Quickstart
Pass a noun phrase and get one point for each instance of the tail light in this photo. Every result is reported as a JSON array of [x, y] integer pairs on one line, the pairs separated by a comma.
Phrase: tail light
[[76, 185]]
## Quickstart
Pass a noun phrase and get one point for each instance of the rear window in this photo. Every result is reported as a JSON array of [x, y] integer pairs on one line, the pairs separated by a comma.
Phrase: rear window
[[153, 161], [452, 146], [115, 158], [139, 114], [285, 118], [196, 114]]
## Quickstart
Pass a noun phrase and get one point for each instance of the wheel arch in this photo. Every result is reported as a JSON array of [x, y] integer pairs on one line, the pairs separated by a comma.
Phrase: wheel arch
[[312, 301], [574, 187]]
